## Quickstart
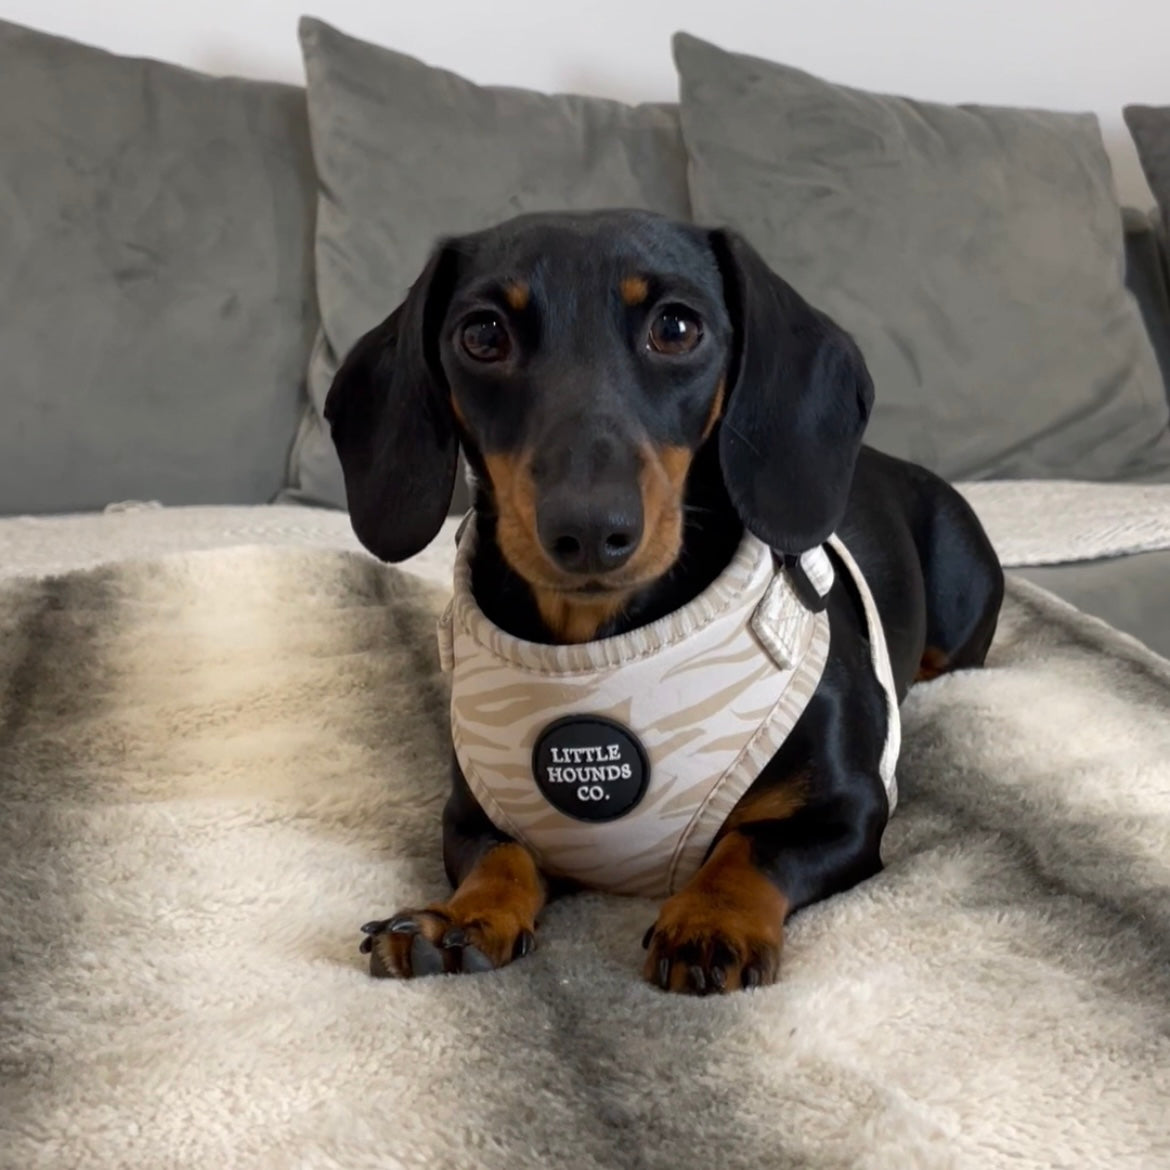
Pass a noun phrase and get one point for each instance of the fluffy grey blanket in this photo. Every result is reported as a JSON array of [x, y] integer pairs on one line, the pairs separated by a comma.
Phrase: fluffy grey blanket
[[214, 767]]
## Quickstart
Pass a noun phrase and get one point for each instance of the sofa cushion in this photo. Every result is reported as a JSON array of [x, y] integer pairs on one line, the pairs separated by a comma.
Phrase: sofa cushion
[[407, 153], [156, 296], [975, 253], [1150, 127]]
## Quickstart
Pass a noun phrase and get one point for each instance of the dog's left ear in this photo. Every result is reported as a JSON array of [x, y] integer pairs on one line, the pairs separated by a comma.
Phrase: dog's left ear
[[800, 398]]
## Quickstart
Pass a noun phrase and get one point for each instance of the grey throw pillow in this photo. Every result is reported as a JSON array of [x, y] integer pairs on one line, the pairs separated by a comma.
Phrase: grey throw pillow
[[975, 253], [156, 294], [407, 154], [1150, 127]]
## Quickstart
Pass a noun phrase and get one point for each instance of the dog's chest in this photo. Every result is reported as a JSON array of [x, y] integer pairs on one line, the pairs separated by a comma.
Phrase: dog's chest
[[617, 761]]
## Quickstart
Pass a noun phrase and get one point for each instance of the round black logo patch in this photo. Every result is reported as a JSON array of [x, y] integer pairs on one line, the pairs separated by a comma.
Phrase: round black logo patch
[[590, 767]]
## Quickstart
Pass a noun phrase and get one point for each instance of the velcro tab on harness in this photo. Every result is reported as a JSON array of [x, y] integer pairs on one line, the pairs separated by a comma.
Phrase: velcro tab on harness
[[780, 623], [797, 592]]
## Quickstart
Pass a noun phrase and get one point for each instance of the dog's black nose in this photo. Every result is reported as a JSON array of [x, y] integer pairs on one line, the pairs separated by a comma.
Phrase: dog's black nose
[[590, 538]]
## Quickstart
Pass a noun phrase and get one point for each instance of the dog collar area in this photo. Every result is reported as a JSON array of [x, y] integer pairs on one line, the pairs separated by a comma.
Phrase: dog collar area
[[793, 587]]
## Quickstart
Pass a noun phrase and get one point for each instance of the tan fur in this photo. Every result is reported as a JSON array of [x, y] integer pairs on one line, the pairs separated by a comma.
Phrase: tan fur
[[727, 904], [501, 897], [716, 409], [569, 619], [662, 480], [517, 294], [516, 503], [493, 906], [777, 802], [634, 290], [934, 662], [577, 618]]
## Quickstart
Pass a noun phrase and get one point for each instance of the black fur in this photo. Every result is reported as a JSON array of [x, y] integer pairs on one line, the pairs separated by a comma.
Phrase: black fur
[[391, 421], [578, 399], [787, 455]]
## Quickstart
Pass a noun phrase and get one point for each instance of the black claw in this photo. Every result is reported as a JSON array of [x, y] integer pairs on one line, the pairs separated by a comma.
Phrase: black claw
[[403, 924], [697, 980], [475, 961], [648, 936], [751, 977], [524, 944], [455, 938], [367, 945], [374, 927], [425, 957], [723, 956], [718, 978], [664, 973]]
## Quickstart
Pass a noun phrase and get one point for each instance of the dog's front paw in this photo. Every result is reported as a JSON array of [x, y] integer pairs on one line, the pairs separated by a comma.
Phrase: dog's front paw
[[696, 950], [721, 932], [489, 921], [439, 941]]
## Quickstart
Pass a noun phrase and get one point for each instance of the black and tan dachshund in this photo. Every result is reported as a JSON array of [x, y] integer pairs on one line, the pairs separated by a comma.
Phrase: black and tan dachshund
[[630, 393]]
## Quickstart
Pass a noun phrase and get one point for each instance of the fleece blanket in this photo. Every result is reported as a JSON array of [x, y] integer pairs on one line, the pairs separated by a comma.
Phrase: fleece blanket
[[215, 766]]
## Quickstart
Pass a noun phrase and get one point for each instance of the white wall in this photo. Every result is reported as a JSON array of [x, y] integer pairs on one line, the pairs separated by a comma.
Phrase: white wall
[[1065, 54]]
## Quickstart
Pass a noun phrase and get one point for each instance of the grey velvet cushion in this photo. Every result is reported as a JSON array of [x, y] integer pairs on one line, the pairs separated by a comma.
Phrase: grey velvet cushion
[[407, 153], [1150, 127], [975, 253], [156, 295]]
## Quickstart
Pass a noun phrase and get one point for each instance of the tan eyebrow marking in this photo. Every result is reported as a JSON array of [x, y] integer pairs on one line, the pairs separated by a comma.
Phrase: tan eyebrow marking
[[634, 290], [517, 293]]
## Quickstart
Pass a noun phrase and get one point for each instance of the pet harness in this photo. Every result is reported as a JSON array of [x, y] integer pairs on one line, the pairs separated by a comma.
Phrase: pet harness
[[616, 761]]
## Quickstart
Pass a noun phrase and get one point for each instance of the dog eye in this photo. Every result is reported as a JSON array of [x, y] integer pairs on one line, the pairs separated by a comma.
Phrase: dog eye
[[484, 338], [675, 330]]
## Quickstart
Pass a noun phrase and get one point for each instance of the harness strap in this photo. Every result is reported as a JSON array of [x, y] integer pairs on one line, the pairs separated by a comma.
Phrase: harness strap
[[880, 657]]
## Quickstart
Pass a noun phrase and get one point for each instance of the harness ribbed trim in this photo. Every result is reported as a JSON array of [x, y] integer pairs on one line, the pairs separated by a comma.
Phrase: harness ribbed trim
[[752, 558]]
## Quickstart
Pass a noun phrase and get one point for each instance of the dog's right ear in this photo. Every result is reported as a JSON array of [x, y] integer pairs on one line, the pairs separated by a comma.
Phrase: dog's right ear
[[389, 410]]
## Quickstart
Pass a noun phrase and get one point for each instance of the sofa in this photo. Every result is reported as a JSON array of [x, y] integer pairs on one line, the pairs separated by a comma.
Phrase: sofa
[[184, 259], [224, 729]]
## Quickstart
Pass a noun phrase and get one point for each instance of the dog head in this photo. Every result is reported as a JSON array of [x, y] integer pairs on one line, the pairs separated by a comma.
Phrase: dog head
[[582, 361]]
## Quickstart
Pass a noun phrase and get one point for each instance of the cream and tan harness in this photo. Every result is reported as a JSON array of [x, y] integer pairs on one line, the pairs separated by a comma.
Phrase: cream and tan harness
[[710, 692]]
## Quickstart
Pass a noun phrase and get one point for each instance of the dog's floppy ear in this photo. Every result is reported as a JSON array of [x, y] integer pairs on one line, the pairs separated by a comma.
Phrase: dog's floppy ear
[[800, 398], [390, 413]]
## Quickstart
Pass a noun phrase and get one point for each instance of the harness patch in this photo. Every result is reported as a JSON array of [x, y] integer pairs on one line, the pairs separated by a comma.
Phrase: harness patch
[[590, 768]]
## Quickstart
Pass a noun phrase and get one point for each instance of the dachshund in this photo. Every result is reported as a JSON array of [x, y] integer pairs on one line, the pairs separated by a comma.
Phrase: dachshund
[[631, 396]]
